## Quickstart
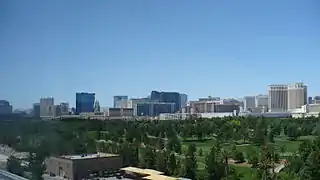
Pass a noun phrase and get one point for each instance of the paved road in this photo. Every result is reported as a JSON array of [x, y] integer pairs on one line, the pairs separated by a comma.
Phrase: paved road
[[3, 177], [279, 168]]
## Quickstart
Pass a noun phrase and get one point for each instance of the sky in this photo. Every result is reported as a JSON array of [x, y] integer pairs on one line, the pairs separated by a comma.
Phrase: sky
[[225, 48]]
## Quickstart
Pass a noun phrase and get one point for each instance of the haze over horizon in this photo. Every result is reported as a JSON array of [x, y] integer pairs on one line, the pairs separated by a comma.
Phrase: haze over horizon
[[201, 48]]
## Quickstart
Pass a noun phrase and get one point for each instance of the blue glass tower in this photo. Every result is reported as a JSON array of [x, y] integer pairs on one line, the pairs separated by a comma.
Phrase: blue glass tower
[[167, 97], [85, 102]]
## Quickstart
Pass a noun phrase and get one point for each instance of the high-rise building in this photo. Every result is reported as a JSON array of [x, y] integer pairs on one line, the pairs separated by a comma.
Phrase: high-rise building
[[120, 101], [36, 110], [249, 103], [297, 96], [167, 97], [310, 100], [64, 108], [262, 101], [56, 111], [85, 102], [5, 107], [183, 100], [45, 104], [278, 98], [97, 106], [316, 100]]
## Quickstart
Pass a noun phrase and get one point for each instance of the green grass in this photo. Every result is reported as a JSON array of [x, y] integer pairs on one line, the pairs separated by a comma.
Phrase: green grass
[[289, 146], [246, 173]]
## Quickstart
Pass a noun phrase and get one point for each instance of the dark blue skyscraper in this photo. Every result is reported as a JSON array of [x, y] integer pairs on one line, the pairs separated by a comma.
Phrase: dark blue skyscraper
[[85, 102], [168, 97]]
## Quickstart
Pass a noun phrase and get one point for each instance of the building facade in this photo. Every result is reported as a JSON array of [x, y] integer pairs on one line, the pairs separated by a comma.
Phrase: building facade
[[64, 108], [119, 112], [46, 106], [36, 110], [120, 101], [85, 102], [261, 101], [5, 107], [167, 97], [153, 108], [297, 96], [96, 106], [76, 167], [278, 98], [316, 100], [183, 100], [249, 103], [212, 107]]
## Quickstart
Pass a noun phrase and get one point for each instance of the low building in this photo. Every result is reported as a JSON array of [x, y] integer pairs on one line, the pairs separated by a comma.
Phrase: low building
[[175, 116], [119, 112], [76, 167], [212, 107], [153, 108]]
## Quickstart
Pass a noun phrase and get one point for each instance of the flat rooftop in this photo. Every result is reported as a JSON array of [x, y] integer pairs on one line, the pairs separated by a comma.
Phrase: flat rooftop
[[89, 156]]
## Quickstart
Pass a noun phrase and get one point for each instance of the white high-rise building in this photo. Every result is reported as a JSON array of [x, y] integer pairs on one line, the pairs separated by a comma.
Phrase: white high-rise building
[[297, 96], [278, 98], [249, 103]]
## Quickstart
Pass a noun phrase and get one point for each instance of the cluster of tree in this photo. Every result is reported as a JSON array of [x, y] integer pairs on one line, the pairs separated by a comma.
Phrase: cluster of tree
[[157, 144]]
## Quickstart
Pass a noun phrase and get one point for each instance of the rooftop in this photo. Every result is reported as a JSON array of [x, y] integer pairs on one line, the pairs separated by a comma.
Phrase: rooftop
[[89, 156], [159, 177], [142, 171]]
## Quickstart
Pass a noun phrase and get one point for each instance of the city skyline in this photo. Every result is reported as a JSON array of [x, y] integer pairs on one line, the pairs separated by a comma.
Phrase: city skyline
[[118, 98], [200, 48]]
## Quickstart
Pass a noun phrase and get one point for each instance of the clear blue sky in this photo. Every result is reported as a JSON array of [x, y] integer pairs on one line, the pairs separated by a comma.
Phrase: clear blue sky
[[221, 48]]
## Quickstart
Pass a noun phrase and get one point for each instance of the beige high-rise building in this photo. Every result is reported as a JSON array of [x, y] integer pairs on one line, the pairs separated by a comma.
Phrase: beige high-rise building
[[297, 96], [46, 106], [278, 98]]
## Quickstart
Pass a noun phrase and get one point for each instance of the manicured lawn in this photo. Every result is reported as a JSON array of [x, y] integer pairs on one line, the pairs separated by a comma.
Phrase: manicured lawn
[[289, 146]]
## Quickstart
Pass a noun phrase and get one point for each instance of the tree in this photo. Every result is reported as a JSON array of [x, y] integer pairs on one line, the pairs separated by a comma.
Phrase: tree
[[172, 164], [293, 132], [147, 159], [14, 166], [174, 144], [200, 152], [271, 136], [161, 162], [239, 157], [253, 157], [214, 167], [266, 162], [311, 170], [190, 163], [199, 130], [225, 154], [260, 132]]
